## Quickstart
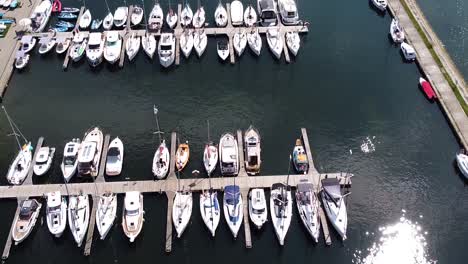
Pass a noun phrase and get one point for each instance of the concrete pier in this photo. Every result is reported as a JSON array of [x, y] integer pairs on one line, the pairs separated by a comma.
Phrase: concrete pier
[[91, 225], [245, 205]]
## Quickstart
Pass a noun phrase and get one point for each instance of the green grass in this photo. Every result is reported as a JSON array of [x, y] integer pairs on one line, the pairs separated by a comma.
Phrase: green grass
[[436, 57]]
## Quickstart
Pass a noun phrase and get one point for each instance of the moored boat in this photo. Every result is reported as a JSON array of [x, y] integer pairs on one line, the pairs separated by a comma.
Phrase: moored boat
[[24, 221], [78, 48], [161, 161], [222, 48], [148, 41], [182, 156], [280, 210], [408, 51], [199, 18], [171, 18], [166, 49], [233, 208], [78, 216], [62, 45], [427, 88], [288, 12], [44, 158], [267, 12], [237, 13], [396, 32], [95, 49], [132, 46], [89, 154], [250, 16], [253, 149], [275, 42], [132, 217], [186, 43], [115, 155], [112, 46], [210, 157], [293, 42], [182, 211], [255, 41], [56, 213], [46, 45], [108, 21], [210, 210], [120, 16], [258, 207], [137, 15], [156, 18], [220, 15], [19, 168], [70, 159], [228, 155], [240, 42], [308, 208], [27, 43], [380, 4], [40, 16], [462, 162], [301, 163], [200, 40], [21, 60], [106, 213], [85, 19], [334, 204], [186, 15]]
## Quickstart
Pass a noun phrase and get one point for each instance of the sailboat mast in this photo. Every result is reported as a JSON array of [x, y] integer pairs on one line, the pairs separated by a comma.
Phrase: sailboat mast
[[107, 5], [12, 127], [157, 122], [208, 122]]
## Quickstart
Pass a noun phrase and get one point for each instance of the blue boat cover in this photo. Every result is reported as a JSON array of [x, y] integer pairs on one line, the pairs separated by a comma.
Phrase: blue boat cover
[[231, 194]]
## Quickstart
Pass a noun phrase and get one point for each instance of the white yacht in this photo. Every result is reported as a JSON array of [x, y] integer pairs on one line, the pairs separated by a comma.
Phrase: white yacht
[[182, 211], [132, 217], [137, 15], [20, 166], [222, 48], [46, 45], [148, 41], [78, 47], [240, 42], [106, 213], [21, 60], [220, 15], [293, 42], [334, 204], [166, 49], [156, 18], [85, 20], [380, 4], [108, 21], [396, 32], [186, 15], [255, 41], [62, 45], [132, 46], [186, 43], [171, 18], [199, 18], [40, 16], [44, 158], [267, 12], [112, 46], [115, 155], [161, 161], [250, 16], [95, 49], [200, 40], [210, 158], [237, 13], [24, 221], [281, 210], [275, 42], [89, 154], [253, 149], [78, 216], [210, 210], [308, 208], [56, 213], [258, 207], [120, 16], [462, 162], [288, 12], [233, 208], [70, 159], [228, 155], [408, 51], [27, 43], [300, 160]]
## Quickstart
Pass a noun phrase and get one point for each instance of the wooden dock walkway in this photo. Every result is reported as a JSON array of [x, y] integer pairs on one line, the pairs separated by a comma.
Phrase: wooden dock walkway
[[240, 147], [102, 167], [247, 234], [171, 174], [9, 241], [91, 225], [70, 36], [170, 202], [29, 177]]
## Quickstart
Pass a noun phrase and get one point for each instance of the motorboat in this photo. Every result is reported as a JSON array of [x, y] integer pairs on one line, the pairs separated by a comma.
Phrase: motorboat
[[396, 32], [171, 18], [427, 89], [66, 24], [89, 154], [78, 216], [258, 207], [21, 60], [56, 213], [106, 213], [67, 16], [334, 204], [253, 149], [166, 49], [293, 42], [275, 42], [380, 4], [115, 155], [44, 158], [267, 12], [78, 47], [120, 16], [20, 166], [25, 219], [255, 41], [85, 20], [210, 158], [40, 16], [46, 45], [300, 160], [462, 162], [156, 18], [237, 13], [132, 46], [186, 43], [210, 210], [308, 208], [250, 16], [70, 10], [281, 210], [132, 217], [108, 21], [161, 161], [240, 42], [148, 41], [228, 155], [27, 43], [96, 24], [199, 18], [288, 12], [408, 51], [182, 211], [186, 15], [70, 159], [220, 15], [62, 45], [95, 49], [233, 208], [182, 156], [200, 40], [222, 47], [112, 46], [137, 15], [6, 3]]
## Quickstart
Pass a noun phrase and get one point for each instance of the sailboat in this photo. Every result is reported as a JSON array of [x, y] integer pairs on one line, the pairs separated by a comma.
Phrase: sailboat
[[106, 213], [334, 204], [78, 216], [396, 32], [25, 220], [171, 18], [210, 154], [56, 213], [156, 17], [137, 15], [132, 46], [132, 215], [220, 15], [85, 19], [275, 42], [240, 42], [200, 40], [186, 43], [233, 208], [182, 156], [209, 209], [120, 16], [186, 15], [250, 16], [199, 16], [161, 157], [255, 41], [182, 211], [108, 20], [293, 42], [21, 165], [308, 208], [148, 41]]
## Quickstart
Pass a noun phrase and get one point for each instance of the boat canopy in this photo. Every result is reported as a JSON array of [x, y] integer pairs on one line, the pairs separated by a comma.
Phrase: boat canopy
[[43, 155], [114, 151], [132, 201], [267, 5], [71, 149], [121, 13], [54, 199], [87, 151], [44, 40], [26, 39], [231, 194], [332, 187], [27, 208], [20, 54], [112, 36], [95, 38], [305, 187], [258, 201], [276, 186]]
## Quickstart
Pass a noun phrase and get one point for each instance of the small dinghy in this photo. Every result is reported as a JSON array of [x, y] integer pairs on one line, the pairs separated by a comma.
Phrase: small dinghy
[[462, 162], [27, 43], [186, 43], [108, 21], [253, 149], [115, 156], [293, 42], [96, 24], [210, 210], [199, 18], [56, 213], [21, 60], [85, 20], [220, 15], [106, 213], [70, 159], [308, 208], [171, 18], [240, 42], [137, 15], [66, 24], [95, 49], [237, 13], [186, 15], [62, 45], [78, 47], [200, 40], [223, 49], [44, 158], [233, 208], [20, 166], [70, 10], [275, 42], [132, 216], [228, 155], [148, 41], [301, 163], [427, 89], [281, 210], [258, 207], [166, 49], [334, 204], [132, 46], [156, 18], [67, 16], [396, 32], [120, 16], [182, 211], [112, 46], [250, 16], [25, 220], [380, 4], [210, 158], [78, 217], [161, 161], [408, 51], [182, 156], [255, 41]]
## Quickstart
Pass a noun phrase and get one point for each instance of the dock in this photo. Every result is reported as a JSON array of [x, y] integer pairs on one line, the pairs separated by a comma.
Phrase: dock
[[91, 225], [170, 202], [179, 27], [29, 177], [75, 29], [240, 147], [9, 241], [102, 166], [245, 205]]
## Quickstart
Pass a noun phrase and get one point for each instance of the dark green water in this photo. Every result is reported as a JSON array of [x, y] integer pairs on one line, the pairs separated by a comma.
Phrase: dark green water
[[349, 82]]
